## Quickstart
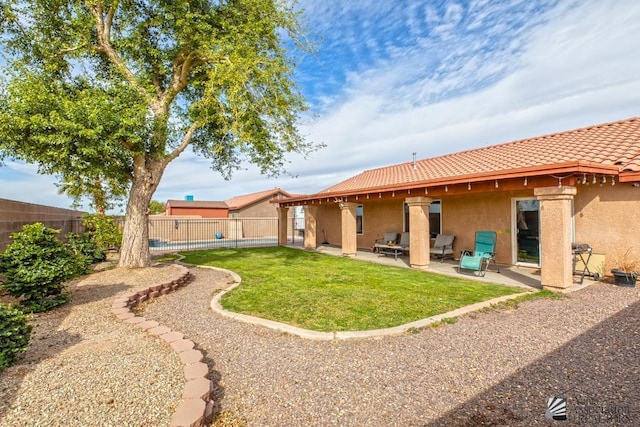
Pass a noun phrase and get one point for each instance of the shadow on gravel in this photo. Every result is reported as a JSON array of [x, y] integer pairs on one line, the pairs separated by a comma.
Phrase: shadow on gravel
[[47, 340], [598, 373], [218, 389]]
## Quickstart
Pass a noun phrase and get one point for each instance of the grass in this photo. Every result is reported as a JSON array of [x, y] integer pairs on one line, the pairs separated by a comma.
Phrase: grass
[[328, 293]]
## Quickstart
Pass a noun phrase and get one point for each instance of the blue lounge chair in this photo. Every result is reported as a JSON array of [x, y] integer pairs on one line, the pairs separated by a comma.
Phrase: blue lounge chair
[[483, 254]]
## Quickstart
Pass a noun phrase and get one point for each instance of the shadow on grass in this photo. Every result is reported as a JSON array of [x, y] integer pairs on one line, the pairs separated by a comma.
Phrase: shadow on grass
[[598, 374]]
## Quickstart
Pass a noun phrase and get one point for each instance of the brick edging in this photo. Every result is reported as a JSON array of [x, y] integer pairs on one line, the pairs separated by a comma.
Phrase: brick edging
[[196, 407]]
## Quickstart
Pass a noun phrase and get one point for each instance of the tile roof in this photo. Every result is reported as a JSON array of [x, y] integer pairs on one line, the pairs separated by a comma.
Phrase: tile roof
[[614, 146], [240, 202], [196, 204]]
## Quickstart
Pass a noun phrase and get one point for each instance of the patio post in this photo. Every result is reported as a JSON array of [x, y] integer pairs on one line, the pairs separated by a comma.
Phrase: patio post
[[310, 226], [419, 241], [349, 237], [556, 259], [283, 224]]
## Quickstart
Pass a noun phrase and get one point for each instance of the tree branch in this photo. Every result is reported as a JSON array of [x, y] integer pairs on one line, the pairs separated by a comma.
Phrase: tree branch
[[186, 139], [104, 46], [181, 69]]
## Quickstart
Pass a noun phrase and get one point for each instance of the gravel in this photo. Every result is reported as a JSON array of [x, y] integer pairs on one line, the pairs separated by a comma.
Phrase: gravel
[[490, 368], [85, 367]]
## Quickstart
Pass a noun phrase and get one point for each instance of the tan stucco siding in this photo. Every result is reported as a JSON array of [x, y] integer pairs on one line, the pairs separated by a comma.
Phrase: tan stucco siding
[[608, 219], [263, 209], [462, 216]]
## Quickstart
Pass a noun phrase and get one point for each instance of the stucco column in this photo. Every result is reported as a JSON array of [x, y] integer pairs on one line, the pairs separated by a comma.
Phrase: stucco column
[[310, 226], [283, 225], [556, 259], [349, 237], [418, 231]]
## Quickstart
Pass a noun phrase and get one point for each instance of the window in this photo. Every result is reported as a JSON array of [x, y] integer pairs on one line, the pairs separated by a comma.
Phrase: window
[[435, 218], [359, 219]]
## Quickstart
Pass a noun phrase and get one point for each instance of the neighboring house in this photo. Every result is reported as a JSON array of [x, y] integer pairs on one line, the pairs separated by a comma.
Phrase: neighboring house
[[197, 208], [256, 205], [539, 194]]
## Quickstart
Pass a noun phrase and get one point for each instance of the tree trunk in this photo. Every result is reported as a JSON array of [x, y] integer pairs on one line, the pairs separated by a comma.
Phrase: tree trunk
[[134, 252]]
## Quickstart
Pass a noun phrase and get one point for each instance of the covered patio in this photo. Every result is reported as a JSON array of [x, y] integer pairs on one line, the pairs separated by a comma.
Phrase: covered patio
[[539, 196]]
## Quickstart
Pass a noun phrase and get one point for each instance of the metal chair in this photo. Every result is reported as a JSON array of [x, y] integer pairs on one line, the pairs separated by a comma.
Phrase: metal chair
[[483, 254]]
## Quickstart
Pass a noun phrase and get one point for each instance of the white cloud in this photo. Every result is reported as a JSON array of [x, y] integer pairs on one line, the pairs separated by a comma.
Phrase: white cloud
[[571, 66]]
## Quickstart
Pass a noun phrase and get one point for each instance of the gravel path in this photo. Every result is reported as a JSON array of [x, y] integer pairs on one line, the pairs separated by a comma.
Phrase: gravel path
[[84, 367], [490, 368]]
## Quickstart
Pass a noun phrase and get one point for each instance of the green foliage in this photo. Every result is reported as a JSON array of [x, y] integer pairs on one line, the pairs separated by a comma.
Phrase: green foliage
[[36, 264], [104, 231], [156, 207], [85, 248], [106, 94], [14, 334]]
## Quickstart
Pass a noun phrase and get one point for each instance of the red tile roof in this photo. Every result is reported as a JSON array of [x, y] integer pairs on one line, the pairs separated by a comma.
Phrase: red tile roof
[[240, 202], [611, 147]]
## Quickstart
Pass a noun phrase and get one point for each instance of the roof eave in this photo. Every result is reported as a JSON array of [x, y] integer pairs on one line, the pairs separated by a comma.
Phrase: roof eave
[[571, 167]]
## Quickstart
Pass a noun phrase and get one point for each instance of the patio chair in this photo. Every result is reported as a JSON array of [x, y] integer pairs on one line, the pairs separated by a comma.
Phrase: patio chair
[[443, 246], [404, 241], [483, 254]]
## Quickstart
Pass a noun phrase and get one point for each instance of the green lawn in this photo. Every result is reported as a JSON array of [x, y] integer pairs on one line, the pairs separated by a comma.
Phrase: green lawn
[[329, 293]]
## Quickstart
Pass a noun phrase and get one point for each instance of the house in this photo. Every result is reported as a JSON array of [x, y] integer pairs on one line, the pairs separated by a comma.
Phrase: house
[[249, 216], [539, 194], [256, 205], [198, 209]]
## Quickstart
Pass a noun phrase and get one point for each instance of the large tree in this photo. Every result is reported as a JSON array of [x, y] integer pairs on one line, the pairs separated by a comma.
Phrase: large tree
[[113, 91]]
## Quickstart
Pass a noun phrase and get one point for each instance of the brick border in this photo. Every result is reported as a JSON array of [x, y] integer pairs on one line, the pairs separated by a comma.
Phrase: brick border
[[196, 407]]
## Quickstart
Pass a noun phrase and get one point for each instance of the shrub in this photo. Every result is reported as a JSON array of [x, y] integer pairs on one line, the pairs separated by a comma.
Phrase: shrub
[[105, 231], [36, 265], [14, 334], [85, 248]]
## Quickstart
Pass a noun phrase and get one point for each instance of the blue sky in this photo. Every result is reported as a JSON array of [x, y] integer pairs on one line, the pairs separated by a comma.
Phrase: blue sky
[[395, 77]]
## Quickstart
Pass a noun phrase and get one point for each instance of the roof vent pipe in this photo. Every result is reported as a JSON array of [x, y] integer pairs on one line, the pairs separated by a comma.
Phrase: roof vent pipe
[[414, 160]]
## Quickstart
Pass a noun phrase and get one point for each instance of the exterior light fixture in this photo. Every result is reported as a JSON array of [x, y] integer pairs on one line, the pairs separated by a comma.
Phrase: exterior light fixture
[[469, 186], [584, 178], [496, 183], [525, 181], [446, 188], [604, 180], [559, 182], [613, 180], [594, 179], [426, 191]]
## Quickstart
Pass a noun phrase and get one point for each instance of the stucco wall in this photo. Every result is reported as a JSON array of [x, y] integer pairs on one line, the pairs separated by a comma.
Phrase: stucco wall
[[14, 215], [200, 212], [262, 209], [608, 219]]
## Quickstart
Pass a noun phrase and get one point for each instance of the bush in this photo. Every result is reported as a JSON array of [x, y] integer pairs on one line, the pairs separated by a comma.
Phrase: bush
[[37, 264], [85, 248], [105, 231], [14, 334]]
